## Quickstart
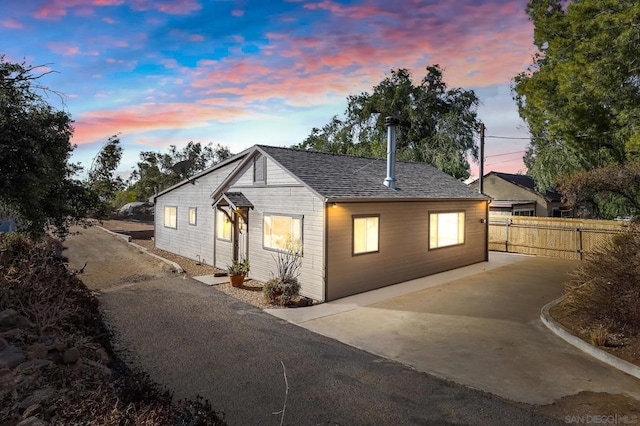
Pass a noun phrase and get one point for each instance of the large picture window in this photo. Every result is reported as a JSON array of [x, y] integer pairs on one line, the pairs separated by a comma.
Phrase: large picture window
[[171, 217], [446, 229], [223, 226], [366, 234], [282, 232]]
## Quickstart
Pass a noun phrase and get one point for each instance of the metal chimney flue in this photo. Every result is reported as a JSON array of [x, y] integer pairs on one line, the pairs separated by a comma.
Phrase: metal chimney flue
[[390, 180]]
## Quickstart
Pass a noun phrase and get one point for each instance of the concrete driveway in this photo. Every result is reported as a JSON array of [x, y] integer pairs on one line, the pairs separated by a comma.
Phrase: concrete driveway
[[478, 326]]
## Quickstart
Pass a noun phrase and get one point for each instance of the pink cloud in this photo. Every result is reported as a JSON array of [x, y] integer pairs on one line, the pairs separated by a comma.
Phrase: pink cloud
[[55, 9], [170, 7], [196, 37], [237, 13], [95, 125], [11, 23], [63, 48], [109, 21]]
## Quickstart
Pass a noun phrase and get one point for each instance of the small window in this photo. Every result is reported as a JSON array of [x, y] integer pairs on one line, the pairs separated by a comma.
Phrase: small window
[[193, 216], [171, 217], [282, 232], [223, 226], [260, 169], [523, 212], [446, 229], [366, 234]]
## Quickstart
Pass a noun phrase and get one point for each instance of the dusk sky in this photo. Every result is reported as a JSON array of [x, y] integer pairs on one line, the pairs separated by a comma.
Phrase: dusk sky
[[240, 72]]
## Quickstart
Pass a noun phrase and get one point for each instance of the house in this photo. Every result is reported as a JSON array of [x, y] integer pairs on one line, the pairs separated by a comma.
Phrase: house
[[517, 195], [356, 234]]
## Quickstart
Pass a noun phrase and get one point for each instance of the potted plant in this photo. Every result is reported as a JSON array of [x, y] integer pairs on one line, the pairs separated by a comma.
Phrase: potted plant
[[238, 270]]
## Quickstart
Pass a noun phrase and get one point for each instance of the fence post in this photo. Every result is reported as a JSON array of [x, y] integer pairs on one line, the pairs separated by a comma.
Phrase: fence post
[[506, 243], [578, 243]]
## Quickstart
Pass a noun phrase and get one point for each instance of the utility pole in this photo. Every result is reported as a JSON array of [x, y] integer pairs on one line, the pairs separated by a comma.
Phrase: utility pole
[[481, 180]]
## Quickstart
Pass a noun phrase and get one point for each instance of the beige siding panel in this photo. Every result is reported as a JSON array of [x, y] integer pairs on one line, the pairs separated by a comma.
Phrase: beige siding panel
[[193, 242], [288, 201], [403, 245]]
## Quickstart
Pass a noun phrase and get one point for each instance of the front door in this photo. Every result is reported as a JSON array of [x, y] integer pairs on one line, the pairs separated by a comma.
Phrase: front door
[[241, 236]]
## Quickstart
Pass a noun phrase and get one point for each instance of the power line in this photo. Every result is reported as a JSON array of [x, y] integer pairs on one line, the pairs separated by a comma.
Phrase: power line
[[506, 153], [508, 137]]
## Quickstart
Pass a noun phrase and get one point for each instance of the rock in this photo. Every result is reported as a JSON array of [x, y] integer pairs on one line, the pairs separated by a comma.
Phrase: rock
[[103, 356], [31, 411], [33, 365], [104, 370], [31, 421], [71, 356], [54, 344], [37, 397], [304, 301], [8, 318], [37, 351], [10, 356], [10, 333]]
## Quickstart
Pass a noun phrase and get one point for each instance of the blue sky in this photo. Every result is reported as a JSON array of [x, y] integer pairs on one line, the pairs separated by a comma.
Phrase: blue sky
[[241, 72]]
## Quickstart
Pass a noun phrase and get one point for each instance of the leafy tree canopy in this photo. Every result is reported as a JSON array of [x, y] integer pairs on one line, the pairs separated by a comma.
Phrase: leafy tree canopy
[[608, 191], [102, 178], [154, 172], [581, 96], [438, 124], [36, 184]]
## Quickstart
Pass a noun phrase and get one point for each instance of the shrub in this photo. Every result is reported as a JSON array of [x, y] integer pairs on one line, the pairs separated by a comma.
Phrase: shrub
[[606, 286], [281, 292], [284, 285]]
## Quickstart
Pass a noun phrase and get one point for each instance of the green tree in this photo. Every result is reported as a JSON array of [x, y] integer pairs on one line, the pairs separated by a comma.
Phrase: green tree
[[36, 180], [608, 191], [102, 178], [438, 125], [155, 172], [581, 96]]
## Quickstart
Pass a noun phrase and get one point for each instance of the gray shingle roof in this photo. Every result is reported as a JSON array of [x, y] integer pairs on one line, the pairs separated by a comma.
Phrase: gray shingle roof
[[336, 176], [527, 182]]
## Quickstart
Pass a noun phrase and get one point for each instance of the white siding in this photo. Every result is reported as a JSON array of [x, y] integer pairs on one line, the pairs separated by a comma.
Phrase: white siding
[[277, 176], [193, 242], [289, 200]]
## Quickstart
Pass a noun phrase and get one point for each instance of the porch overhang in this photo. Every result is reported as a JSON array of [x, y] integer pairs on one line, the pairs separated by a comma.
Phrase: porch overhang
[[235, 200]]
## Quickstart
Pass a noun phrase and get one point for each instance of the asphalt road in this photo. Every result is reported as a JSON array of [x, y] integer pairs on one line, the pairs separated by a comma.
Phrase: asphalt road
[[199, 341]]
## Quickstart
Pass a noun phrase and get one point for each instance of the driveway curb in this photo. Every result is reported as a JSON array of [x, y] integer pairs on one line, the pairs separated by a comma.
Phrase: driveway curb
[[568, 337], [177, 268]]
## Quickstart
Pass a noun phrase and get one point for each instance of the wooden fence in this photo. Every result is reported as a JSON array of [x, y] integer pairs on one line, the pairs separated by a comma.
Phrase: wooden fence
[[546, 236]]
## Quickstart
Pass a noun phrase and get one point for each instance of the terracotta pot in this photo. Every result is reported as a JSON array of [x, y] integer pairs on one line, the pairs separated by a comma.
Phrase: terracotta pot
[[236, 280]]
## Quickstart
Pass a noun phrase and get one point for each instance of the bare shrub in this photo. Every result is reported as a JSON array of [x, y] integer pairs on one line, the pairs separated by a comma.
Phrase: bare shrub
[[606, 286]]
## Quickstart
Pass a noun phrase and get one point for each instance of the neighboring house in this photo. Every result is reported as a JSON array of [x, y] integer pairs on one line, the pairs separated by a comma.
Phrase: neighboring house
[[517, 195], [355, 233]]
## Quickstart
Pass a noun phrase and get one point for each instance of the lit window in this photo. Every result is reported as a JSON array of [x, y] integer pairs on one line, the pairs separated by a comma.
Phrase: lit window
[[193, 216], [282, 232], [171, 217], [446, 229], [366, 233], [223, 226]]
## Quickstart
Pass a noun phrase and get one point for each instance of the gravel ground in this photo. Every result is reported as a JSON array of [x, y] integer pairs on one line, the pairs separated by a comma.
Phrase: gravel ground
[[251, 291]]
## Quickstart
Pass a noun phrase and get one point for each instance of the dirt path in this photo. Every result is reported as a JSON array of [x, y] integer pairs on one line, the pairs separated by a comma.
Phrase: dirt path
[[107, 264]]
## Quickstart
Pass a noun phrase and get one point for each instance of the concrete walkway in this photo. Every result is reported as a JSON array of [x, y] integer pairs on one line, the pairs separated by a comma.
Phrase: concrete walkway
[[478, 326]]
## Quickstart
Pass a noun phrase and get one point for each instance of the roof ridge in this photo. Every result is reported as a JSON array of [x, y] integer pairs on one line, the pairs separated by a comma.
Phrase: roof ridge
[[336, 154]]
